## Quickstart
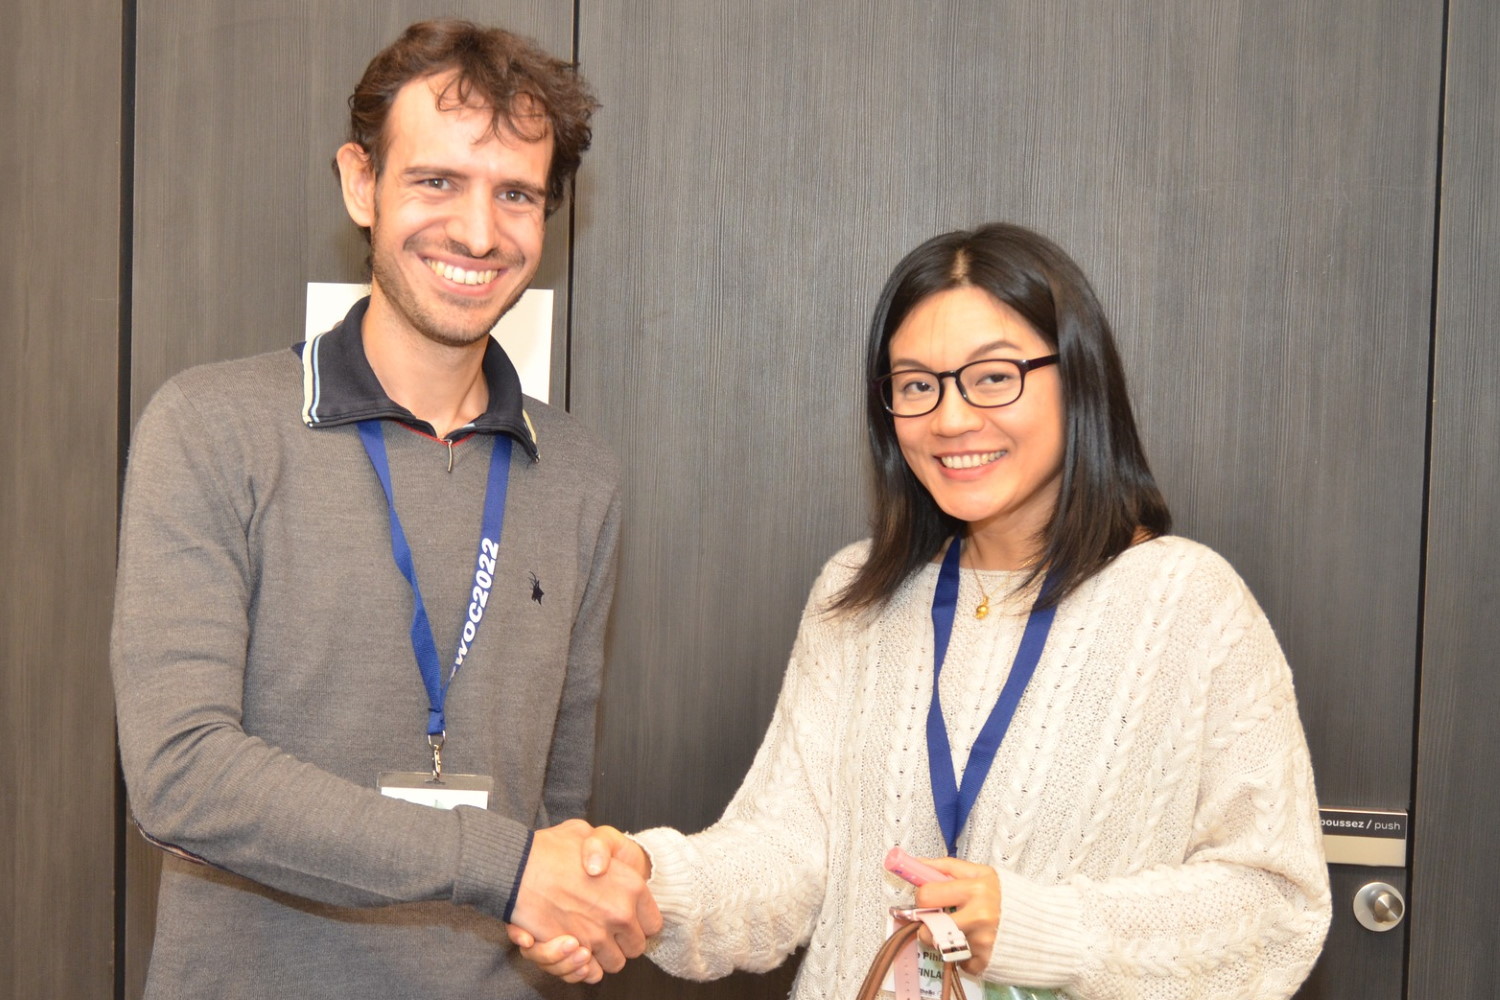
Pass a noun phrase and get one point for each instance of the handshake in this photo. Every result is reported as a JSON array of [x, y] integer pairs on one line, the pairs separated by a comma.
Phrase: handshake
[[583, 907]]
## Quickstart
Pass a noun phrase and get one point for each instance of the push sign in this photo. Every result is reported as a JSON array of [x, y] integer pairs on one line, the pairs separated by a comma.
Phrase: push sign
[[1364, 837]]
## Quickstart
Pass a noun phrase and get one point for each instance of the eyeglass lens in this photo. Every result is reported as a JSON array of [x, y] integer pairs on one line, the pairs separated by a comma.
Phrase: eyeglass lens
[[983, 383]]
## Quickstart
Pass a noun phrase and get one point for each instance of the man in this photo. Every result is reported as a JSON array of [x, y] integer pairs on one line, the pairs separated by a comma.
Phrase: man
[[367, 570]]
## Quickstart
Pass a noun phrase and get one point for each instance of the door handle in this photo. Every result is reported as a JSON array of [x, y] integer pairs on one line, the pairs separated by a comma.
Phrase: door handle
[[1379, 906]]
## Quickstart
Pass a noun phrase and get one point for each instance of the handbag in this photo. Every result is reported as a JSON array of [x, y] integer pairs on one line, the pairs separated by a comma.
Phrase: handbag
[[899, 954]]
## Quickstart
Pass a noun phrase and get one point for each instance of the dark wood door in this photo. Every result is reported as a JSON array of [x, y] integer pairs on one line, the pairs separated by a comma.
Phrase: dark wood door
[[1455, 936], [60, 118], [1252, 187]]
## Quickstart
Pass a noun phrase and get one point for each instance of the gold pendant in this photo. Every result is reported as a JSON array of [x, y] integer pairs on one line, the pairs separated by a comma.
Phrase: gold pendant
[[983, 609]]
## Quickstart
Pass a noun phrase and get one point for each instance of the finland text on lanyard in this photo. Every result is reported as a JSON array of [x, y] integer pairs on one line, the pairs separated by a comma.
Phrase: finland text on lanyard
[[954, 801], [437, 788]]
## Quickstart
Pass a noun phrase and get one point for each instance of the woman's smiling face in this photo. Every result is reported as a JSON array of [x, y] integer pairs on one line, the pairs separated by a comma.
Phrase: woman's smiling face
[[1000, 468]]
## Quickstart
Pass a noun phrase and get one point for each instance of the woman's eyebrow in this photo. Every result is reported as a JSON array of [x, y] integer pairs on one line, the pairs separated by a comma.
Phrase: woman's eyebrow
[[979, 352]]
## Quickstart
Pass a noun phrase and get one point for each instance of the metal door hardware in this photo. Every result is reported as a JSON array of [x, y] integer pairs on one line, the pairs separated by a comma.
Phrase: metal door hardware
[[1379, 906]]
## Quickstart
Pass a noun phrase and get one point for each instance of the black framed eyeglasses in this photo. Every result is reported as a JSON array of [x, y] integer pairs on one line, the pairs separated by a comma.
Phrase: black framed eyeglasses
[[986, 383]]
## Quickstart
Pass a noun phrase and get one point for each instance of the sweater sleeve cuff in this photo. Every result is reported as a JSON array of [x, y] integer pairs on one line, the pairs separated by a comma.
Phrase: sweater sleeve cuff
[[671, 874], [492, 853], [1038, 942]]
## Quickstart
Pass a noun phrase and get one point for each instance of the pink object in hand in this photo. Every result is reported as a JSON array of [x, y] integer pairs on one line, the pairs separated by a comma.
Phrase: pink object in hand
[[898, 862]]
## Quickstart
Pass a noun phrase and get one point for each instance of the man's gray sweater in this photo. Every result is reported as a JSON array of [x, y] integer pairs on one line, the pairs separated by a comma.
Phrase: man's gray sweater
[[264, 676]]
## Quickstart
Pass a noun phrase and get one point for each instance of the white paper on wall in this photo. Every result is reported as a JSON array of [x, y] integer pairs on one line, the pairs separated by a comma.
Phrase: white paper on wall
[[525, 332]]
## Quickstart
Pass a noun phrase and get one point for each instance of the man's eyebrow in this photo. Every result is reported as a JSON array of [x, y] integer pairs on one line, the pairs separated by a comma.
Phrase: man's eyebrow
[[534, 190], [417, 170]]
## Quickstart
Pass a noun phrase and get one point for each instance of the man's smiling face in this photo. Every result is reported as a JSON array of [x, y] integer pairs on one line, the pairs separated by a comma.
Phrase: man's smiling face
[[456, 215]]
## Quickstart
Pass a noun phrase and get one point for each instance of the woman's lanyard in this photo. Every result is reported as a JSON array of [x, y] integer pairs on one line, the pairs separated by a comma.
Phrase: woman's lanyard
[[955, 801], [423, 644]]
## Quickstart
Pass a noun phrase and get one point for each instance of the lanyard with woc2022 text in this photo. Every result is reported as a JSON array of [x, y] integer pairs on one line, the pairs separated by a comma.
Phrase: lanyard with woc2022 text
[[954, 801], [423, 644]]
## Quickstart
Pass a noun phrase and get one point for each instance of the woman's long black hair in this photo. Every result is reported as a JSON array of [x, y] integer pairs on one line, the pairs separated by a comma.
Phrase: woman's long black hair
[[1107, 494]]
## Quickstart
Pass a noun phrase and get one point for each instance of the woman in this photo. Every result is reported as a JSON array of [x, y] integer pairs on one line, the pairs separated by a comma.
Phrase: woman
[[1148, 826]]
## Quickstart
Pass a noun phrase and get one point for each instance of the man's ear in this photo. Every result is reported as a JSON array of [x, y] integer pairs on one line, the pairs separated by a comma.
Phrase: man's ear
[[357, 180]]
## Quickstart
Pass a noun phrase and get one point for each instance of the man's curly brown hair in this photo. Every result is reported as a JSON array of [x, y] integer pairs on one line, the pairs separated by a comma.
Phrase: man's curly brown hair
[[527, 91]]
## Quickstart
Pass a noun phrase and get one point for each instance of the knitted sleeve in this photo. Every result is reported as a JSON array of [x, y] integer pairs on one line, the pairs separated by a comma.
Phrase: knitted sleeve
[[746, 892], [1245, 912]]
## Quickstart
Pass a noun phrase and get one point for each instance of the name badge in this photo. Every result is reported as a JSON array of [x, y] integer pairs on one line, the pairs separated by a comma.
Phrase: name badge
[[441, 793]]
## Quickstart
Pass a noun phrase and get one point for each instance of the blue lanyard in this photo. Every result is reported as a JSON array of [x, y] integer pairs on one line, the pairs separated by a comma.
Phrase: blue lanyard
[[954, 801], [423, 645]]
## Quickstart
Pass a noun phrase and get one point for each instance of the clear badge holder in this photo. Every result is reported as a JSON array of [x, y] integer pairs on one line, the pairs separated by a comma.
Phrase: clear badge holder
[[437, 788], [441, 793]]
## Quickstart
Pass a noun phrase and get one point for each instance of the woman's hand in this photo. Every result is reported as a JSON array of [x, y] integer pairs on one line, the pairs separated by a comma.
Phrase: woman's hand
[[566, 957], [973, 895]]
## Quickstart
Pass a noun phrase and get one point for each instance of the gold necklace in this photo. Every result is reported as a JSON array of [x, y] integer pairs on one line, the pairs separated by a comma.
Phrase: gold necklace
[[983, 607], [982, 610]]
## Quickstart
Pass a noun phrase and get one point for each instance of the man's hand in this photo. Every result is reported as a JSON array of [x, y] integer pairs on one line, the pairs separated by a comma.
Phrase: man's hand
[[606, 845], [566, 957], [606, 910], [974, 892], [562, 957]]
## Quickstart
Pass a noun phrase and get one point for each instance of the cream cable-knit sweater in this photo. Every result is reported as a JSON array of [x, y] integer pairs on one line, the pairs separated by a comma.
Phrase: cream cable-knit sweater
[[1151, 812]]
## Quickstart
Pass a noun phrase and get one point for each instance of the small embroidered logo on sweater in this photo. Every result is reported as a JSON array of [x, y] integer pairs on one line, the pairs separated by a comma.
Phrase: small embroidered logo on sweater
[[536, 589]]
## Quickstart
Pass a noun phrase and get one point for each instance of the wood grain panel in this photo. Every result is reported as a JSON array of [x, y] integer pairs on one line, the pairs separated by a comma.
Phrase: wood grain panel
[[1455, 934], [59, 323], [1251, 186], [240, 108]]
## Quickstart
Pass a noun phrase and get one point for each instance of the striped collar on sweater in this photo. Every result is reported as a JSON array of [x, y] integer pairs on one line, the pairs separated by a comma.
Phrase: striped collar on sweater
[[339, 387]]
